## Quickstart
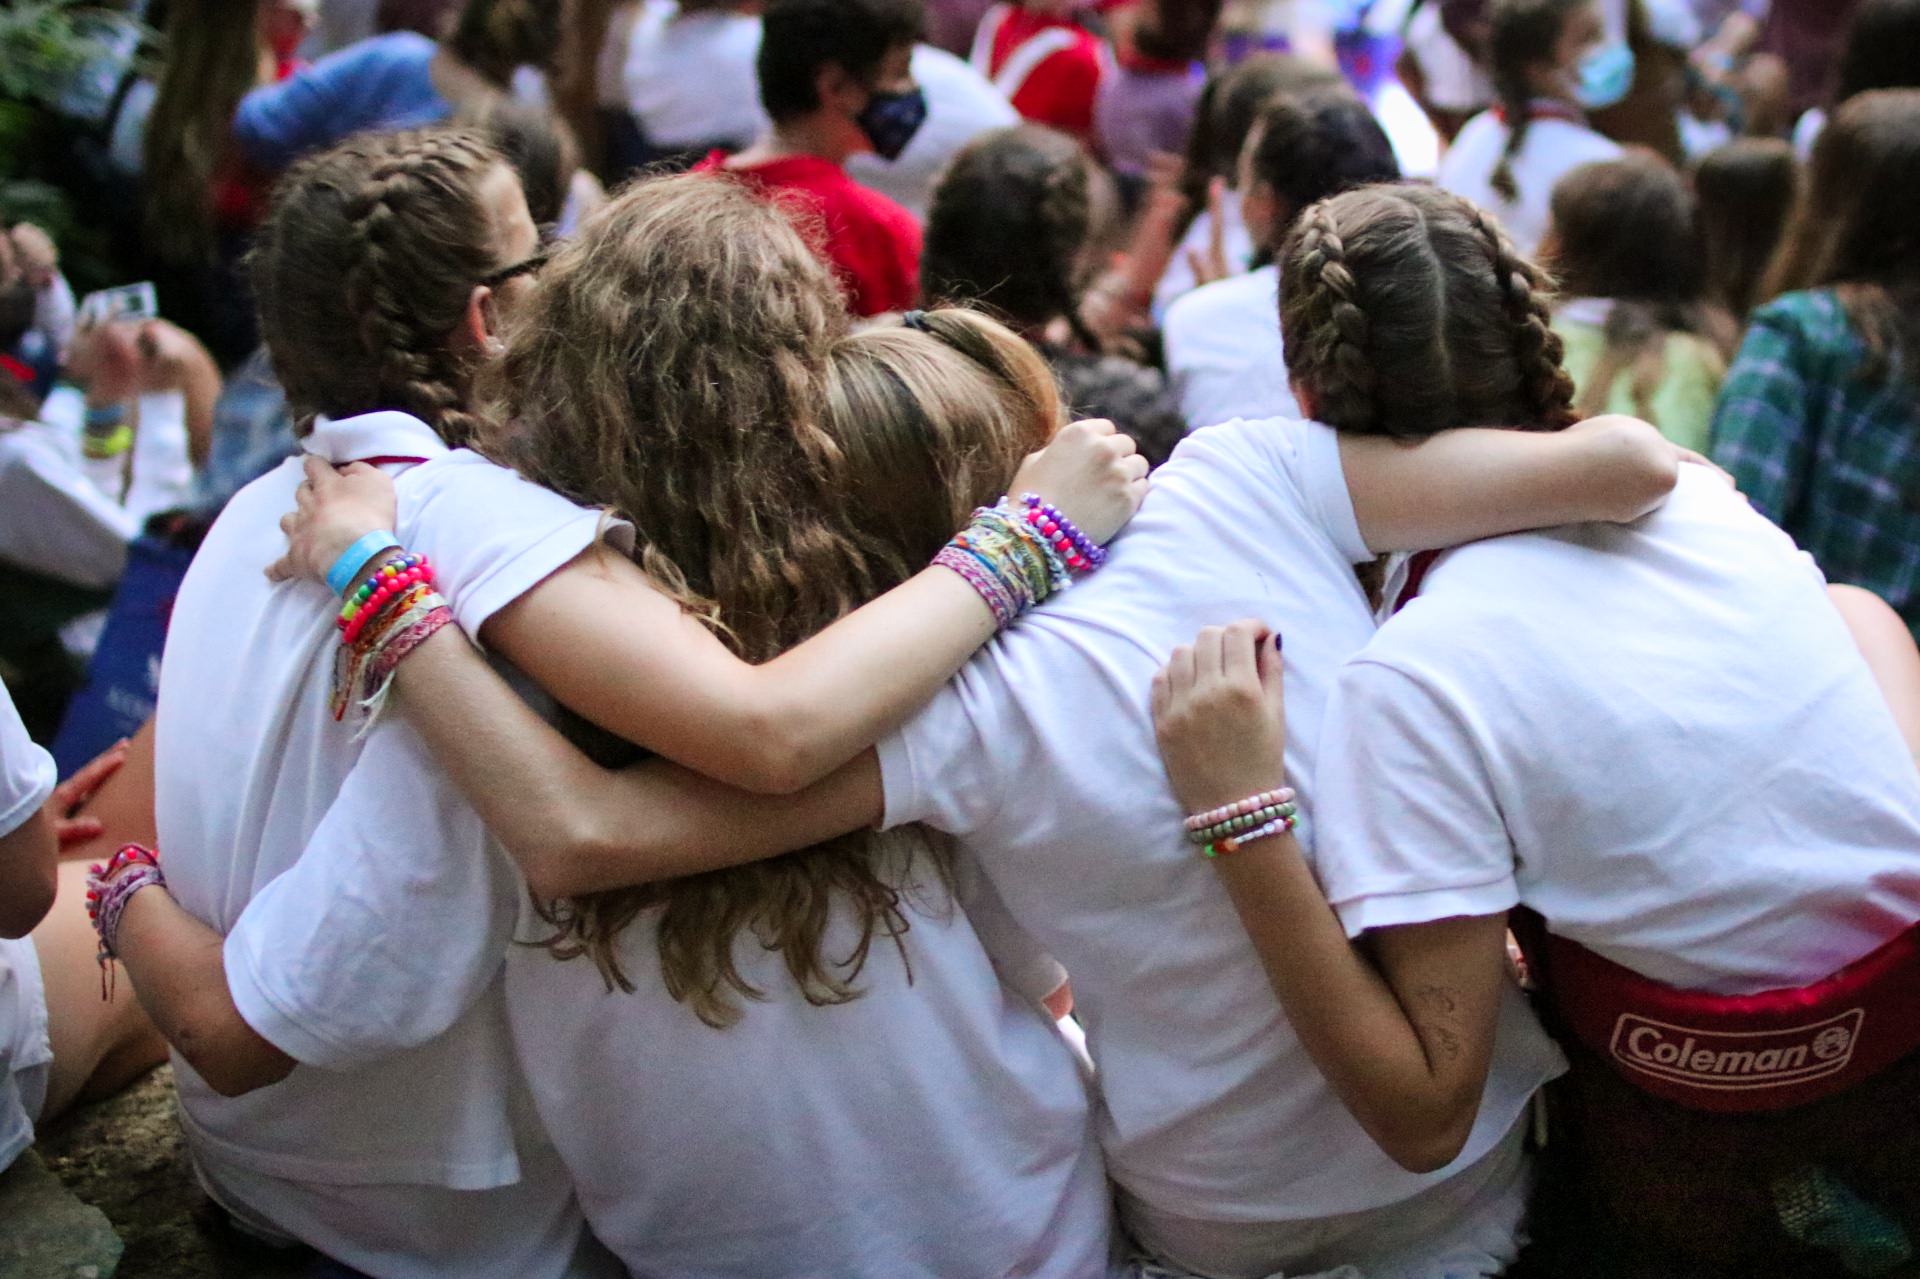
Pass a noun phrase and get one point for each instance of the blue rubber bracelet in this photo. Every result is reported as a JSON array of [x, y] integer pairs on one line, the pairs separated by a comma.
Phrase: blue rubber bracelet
[[355, 558]]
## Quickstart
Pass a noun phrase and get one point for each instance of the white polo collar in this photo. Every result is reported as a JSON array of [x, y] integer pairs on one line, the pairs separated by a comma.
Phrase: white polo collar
[[388, 435]]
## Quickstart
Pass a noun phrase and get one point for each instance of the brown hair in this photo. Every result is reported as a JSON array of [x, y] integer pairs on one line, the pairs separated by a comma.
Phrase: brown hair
[[1229, 104], [365, 265], [1406, 310], [497, 37], [1856, 225], [1626, 230], [1312, 145], [539, 146], [213, 58], [1524, 34], [1009, 227], [685, 361], [1746, 190]]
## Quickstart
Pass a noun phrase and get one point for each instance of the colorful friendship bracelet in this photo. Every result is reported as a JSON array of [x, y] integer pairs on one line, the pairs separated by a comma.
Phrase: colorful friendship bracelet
[[391, 579], [110, 886], [1014, 558], [350, 561]]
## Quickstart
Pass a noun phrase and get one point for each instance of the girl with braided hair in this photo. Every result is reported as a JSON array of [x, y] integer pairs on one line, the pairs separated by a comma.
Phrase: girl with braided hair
[[1551, 61], [1016, 225], [1657, 744]]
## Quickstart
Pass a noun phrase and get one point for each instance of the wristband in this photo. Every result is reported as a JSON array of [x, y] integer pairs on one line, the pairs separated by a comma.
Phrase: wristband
[[355, 558]]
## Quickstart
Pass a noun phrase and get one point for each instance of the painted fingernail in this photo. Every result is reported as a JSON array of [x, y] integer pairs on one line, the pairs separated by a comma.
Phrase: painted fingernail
[[1279, 642]]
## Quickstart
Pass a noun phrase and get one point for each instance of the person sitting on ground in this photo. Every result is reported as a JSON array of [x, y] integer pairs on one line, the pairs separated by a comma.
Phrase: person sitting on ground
[[1641, 337], [836, 79], [1224, 354], [1016, 226], [1550, 59]]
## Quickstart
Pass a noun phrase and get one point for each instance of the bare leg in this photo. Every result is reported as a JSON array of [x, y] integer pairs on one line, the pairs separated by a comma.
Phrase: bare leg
[[99, 1047], [1888, 646]]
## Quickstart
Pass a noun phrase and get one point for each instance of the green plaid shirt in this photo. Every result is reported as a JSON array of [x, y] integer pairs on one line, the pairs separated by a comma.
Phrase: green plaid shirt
[[1828, 454]]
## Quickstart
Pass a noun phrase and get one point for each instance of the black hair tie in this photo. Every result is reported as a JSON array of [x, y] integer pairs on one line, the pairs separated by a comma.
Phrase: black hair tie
[[917, 321]]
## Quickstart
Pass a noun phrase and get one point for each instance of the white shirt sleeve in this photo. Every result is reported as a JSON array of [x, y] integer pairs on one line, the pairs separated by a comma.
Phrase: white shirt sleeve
[[1316, 467], [493, 536], [1407, 827], [937, 768], [391, 924], [26, 770], [1024, 966]]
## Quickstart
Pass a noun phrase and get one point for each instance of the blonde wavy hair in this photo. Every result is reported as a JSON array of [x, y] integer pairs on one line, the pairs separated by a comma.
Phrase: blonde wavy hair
[[685, 361]]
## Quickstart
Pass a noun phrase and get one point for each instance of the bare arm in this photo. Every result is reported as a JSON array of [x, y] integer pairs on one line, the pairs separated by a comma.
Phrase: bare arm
[[29, 865], [1406, 1038], [179, 970], [575, 827], [1887, 644], [1460, 486], [602, 640]]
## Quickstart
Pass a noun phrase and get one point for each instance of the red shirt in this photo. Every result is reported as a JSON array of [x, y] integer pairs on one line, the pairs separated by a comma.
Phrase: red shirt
[[1048, 67], [872, 243]]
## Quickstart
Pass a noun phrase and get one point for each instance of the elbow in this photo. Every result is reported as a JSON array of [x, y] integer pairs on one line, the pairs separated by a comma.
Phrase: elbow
[[779, 759], [1429, 1142], [1640, 467], [583, 854], [232, 1070]]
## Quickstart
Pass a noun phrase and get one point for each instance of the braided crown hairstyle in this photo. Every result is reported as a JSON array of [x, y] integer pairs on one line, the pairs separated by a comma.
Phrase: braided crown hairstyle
[[364, 266], [1406, 311], [1525, 34], [1009, 226]]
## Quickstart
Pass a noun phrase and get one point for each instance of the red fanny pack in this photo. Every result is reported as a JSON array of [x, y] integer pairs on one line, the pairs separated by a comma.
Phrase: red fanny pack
[[1735, 1053]]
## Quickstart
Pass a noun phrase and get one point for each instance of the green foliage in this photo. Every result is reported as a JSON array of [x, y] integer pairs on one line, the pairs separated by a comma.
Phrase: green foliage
[[44, 44]]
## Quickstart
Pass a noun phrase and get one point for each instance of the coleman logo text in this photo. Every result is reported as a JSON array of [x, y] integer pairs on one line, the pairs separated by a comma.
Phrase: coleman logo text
[[1737, 1060]]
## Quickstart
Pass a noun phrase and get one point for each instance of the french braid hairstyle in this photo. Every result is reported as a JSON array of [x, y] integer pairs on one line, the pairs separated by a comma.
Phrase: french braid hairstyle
[[1009, 228], [671, 363], [366, 264], [1406, 311], [1525, 34]]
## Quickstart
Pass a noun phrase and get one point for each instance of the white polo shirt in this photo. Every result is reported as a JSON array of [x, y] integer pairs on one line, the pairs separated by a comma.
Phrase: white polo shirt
[[1553, 149], [1661, 737], [1225, 358], [1178, 279], [379, 972], [26, 779], [936, 1126], [1040, 757]]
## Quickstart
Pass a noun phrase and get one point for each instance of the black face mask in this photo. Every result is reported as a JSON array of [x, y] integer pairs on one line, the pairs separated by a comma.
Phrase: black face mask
[[891, 119]]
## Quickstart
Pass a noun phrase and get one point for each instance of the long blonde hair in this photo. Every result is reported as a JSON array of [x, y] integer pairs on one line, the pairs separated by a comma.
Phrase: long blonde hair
[[685, 361]]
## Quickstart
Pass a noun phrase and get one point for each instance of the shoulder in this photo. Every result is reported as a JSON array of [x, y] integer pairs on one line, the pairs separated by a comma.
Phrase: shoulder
[[1811, 320], [1232, 296]]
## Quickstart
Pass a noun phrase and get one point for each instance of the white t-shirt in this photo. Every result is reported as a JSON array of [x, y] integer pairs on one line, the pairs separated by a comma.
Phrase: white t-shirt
[[1224, 354], [1660, 737], [70, 516], [1178, 279], [935, 1126], [26, 779], [1553, 149], [962, 104], [693, 81], [404, 1032], [1454, 81], [1040, 757]]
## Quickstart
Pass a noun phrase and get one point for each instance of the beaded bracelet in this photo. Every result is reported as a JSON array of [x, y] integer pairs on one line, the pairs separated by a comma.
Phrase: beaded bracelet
[[350, 561], [391, 580], [1080, 552], [1240, 808], [1241, 824], [1234, 843]]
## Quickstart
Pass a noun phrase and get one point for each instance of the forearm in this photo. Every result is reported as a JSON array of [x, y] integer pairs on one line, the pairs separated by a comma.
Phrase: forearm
[[200, 385], [575, 827], [29, 866], [662, 681], [1346, 1015], [1463, 485], [179, 971]]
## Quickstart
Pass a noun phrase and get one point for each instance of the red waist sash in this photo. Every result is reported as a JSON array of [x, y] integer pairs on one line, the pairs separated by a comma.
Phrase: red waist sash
[[1735, 1053]]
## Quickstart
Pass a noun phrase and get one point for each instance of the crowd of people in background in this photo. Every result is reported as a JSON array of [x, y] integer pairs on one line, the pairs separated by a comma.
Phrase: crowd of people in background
[[1167, 639]]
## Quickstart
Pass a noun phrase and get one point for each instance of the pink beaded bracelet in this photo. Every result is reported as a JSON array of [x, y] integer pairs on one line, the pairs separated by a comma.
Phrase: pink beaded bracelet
[[1241, 808]]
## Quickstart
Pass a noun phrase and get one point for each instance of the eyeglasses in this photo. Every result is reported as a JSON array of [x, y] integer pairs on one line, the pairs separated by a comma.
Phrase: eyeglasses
[[525, 266]]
